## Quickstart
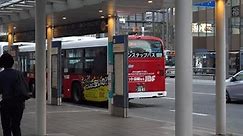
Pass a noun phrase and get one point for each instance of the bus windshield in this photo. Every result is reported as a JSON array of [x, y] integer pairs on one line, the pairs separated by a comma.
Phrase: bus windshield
[[144, 48], [169, 58]]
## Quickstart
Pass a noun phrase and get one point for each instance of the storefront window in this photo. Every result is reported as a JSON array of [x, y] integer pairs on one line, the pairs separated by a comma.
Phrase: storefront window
[[235, 23]]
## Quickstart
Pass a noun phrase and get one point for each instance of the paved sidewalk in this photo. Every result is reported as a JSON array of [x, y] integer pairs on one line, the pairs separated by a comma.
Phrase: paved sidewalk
[[74, 120]]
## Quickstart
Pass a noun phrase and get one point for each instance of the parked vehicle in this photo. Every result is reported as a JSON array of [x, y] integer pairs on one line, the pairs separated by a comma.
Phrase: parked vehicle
[[169, 63], [234, 87]]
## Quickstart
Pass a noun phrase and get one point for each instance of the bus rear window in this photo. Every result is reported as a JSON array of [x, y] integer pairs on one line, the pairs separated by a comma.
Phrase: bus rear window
[[144, 48]]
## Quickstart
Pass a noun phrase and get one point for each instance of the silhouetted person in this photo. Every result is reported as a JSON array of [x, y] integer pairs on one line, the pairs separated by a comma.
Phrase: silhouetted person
[[11, 107]]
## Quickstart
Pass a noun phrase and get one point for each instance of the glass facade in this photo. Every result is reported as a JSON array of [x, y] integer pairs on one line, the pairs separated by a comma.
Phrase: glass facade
[[203, 30], [161, 24]]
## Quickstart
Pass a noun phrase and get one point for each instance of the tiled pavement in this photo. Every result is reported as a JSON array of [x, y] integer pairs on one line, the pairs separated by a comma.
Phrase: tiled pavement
[[74, 120]]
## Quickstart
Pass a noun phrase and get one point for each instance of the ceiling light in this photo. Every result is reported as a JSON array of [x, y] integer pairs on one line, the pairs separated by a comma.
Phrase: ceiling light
[[102, 16], [25, 6], [100, 10], [150, 1], [23, 2], [64, 18], [10, 8]]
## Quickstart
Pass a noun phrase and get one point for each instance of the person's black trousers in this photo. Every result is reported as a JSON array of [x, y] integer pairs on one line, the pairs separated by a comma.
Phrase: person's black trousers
[[11, 115]]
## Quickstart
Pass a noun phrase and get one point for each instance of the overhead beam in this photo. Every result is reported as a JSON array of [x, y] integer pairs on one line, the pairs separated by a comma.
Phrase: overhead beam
[[58, 1], [56, 6]]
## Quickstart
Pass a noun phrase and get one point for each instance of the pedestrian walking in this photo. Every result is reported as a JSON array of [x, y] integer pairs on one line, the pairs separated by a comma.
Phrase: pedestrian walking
[[13, 102]]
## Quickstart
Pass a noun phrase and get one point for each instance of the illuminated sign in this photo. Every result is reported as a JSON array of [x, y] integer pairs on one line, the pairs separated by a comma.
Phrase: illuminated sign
[[203, 27], [210, 3], [235, 11]]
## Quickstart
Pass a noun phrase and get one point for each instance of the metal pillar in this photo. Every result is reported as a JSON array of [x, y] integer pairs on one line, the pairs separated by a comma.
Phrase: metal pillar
[[49, 46], [183, 80], [40, 68], [167, 29], [220, 41]]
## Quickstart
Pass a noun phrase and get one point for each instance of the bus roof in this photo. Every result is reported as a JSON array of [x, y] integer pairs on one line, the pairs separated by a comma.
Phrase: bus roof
[[133, 37], [81, 42], [85, 43], [24, 43], [88, 42]]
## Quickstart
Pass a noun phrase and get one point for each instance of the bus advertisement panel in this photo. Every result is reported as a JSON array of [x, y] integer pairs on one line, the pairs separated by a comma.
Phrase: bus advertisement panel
[[84, 64]]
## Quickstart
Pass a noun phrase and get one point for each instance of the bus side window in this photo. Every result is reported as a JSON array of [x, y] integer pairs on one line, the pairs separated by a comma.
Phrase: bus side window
[[100, 62]]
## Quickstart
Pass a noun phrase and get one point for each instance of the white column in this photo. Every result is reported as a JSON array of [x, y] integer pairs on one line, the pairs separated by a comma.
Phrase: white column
[[220, 40], [49, 45], [183, 79], [40, 68]]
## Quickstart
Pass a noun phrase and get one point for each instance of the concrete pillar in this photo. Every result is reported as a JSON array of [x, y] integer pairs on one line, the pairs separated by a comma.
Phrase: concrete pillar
[[220, 40], [183, 78], [40, 68], [49, 46]]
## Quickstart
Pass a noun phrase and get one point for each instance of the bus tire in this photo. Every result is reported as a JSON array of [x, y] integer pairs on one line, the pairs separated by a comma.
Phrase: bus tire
[[77, 92]]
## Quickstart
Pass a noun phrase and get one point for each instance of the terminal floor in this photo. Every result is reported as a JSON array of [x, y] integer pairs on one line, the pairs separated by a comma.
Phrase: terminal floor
[[75, 120]]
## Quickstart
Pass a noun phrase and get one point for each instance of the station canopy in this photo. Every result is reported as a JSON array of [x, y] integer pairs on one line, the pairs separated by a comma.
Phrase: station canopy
[[21, 13]]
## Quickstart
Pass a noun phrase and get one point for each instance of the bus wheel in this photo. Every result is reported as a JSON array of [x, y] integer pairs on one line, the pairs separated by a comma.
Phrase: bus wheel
[[77, 92]]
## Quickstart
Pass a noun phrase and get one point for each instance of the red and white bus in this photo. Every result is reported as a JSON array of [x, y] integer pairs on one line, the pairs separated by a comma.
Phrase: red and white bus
[[84, 65]]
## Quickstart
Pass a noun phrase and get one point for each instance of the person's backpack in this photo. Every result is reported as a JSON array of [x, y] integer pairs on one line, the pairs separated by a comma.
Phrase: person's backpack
[[21, 87]]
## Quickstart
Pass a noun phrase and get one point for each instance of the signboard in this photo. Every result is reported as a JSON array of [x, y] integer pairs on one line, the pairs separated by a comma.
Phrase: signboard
[[235, 11], [81, 28], [120, 94], [56, 78], [202, 27]]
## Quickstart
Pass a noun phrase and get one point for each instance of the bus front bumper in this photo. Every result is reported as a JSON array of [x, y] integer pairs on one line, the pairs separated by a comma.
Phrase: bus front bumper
[[147, 94]]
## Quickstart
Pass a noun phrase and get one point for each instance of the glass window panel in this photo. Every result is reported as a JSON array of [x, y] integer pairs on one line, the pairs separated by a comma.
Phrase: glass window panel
[[73, 65], [139, 17], [73, 53], [235, 2], [90, 52], [235, 23], [132, 18]]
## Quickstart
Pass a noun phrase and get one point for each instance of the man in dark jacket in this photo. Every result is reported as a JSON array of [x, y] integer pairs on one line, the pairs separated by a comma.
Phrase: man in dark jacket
[[11, 108]]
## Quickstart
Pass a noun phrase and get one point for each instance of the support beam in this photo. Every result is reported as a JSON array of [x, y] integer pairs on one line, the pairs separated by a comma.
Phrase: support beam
[[49, 46], [40, 71], [183, 78], [58, 1]]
